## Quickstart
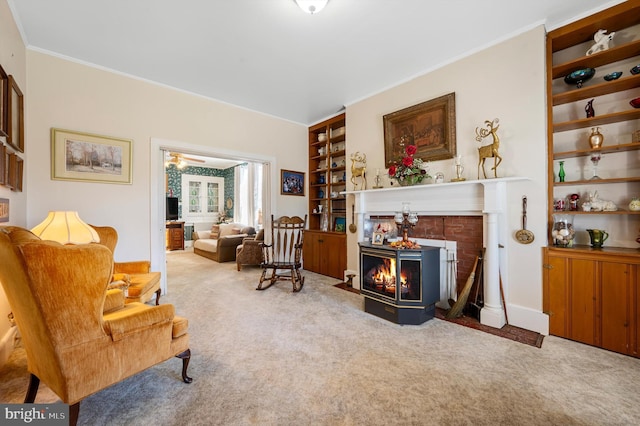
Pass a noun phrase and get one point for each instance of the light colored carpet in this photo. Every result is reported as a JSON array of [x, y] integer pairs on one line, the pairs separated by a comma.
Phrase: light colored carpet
[[315, 358]]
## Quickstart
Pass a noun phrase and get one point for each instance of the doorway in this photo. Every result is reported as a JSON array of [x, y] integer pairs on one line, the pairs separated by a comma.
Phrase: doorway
[[159, 148]]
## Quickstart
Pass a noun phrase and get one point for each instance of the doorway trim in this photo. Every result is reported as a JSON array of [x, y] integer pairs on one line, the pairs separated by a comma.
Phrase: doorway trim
[[157, 190]]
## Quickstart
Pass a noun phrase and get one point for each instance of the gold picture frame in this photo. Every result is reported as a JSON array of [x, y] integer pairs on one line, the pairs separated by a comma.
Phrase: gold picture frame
[[429, 126], [78, 156], [15, 115], [377, 238], [4, 210]]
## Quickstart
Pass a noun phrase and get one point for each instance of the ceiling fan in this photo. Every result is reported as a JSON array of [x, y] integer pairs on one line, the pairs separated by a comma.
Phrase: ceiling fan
[[179, 160]]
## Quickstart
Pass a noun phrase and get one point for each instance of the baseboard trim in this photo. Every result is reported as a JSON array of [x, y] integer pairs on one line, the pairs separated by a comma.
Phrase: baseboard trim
[[528, 318]]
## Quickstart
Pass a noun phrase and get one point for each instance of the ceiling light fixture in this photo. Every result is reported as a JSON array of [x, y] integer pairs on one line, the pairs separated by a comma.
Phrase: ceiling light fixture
[[311, 6]]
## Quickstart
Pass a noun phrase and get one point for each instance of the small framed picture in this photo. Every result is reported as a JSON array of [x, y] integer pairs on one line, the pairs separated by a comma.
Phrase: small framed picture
[[377, 238], [340, 224], [292, 183]]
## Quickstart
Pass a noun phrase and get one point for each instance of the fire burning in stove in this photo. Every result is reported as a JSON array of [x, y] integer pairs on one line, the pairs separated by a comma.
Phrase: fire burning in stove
[[383, 277]]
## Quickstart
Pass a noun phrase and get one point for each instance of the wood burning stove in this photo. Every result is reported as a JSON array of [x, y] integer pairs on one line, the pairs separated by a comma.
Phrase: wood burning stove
[[400, 285]]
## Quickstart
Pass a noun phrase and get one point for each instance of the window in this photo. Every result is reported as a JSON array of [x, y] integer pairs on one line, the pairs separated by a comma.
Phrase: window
[[202, 198]]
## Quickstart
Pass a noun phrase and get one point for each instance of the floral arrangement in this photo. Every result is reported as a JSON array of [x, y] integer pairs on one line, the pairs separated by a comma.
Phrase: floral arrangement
[[409, 170]]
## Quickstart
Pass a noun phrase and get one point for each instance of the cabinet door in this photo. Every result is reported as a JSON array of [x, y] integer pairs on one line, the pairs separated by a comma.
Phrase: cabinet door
[[310, 252], [615, 287], [635, 282], [334, 256], [557, 295], [582, 301]]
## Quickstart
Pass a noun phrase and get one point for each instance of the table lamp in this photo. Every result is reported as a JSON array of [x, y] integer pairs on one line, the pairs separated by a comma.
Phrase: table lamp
[[65, 227]]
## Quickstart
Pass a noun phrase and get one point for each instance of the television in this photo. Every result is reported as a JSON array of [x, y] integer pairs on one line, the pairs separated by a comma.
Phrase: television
[[172, 208]]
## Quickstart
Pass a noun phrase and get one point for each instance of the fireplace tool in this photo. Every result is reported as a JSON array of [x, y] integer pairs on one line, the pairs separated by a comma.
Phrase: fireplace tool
[[456, 311], [353, 228]]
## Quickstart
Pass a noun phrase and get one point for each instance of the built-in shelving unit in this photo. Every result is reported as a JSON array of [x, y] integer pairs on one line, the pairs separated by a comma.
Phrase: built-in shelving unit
[[592, 295], [325, 242]]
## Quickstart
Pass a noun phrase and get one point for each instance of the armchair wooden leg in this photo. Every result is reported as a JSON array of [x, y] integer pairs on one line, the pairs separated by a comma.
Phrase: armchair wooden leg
[[34, 382], [185, 357], [158, 297], [74, 411]]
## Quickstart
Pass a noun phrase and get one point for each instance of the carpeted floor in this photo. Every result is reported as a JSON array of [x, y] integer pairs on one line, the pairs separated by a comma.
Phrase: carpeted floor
[[315, 358]]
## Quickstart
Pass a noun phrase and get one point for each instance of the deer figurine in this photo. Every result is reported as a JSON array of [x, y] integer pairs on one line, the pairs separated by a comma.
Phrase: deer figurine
[[358, 171], [489, 151]]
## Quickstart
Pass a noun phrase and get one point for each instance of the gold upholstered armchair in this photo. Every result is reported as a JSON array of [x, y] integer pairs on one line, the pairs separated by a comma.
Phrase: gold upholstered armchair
[[136, 277], [58, 295]]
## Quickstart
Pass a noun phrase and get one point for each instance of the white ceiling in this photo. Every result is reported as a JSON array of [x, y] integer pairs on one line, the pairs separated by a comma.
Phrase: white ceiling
[[268, 55]]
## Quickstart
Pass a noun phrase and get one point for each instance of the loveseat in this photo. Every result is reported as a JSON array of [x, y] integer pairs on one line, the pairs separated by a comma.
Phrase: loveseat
[[220, 242]]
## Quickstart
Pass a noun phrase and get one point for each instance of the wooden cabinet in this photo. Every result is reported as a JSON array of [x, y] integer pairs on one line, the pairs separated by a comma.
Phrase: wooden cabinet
[[569, 124], [325, 253], [175, 235], [325, 244], [592, 296]]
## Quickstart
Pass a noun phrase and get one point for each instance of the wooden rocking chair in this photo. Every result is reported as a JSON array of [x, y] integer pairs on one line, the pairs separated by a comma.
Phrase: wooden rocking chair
[[284, 252]]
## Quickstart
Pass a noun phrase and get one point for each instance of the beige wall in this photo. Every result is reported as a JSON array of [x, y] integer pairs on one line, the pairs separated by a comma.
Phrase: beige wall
[[506, 81], [69, 95]]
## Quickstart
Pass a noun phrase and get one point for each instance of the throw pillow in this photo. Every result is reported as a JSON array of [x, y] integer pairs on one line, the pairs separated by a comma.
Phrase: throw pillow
[[249, 230], [215, 232], [236, 231], [226, 229], [260, 235]]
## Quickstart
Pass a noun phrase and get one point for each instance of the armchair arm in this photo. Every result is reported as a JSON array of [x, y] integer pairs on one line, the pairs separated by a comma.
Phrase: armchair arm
[[134, 318], [114, 300], [132, 267]]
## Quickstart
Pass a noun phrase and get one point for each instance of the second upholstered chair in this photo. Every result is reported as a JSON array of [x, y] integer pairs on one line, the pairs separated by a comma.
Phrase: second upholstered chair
[[136, 276]]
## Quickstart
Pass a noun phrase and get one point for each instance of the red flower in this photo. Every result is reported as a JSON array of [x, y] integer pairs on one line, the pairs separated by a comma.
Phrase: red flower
[[407, 161], [411, 150], [392, 170]]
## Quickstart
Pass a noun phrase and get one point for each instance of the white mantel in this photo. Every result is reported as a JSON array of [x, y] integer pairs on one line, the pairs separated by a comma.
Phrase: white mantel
[[487, 197]]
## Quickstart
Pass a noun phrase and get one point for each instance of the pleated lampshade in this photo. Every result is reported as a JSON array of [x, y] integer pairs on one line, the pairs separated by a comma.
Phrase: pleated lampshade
[[65, 227]]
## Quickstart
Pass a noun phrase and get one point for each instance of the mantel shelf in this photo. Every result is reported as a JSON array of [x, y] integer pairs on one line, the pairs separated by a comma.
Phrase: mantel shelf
[[437, 186]]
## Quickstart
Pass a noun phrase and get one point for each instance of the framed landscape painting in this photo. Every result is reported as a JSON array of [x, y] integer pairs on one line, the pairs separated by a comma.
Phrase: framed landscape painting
[[429, 126], [87, 157]]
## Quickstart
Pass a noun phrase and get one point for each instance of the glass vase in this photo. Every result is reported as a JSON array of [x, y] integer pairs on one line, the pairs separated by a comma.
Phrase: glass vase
[[563, 232]]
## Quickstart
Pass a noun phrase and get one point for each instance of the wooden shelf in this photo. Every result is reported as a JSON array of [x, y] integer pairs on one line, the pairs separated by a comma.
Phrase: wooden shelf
[[604, 150], [606, 87], [605, 250], [600, 120], [613, 19], [598, 181], [579, 212], [609, 56]]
